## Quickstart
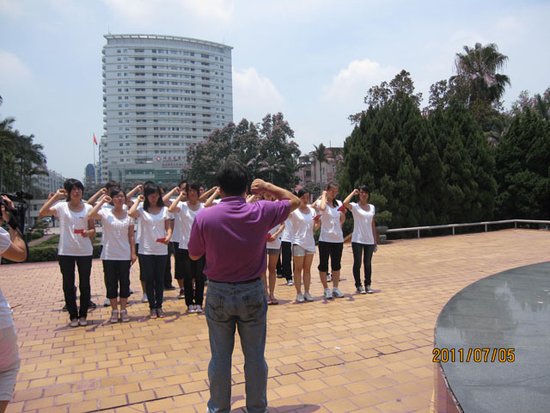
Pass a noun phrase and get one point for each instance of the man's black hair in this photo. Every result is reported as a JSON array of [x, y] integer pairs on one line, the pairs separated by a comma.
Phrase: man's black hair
[[232, 177]]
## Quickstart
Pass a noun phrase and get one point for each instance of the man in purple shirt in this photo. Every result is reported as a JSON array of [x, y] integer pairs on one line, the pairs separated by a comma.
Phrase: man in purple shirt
[[232, 234]]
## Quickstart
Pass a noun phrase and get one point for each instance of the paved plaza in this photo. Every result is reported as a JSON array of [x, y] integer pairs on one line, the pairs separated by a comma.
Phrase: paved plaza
[[361, 353]]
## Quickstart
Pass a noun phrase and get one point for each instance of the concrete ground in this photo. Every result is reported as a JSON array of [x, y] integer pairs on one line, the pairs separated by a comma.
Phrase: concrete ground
[[362, 353]]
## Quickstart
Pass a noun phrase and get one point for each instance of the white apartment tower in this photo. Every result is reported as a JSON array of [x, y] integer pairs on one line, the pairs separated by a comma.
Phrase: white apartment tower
[[161, 94]]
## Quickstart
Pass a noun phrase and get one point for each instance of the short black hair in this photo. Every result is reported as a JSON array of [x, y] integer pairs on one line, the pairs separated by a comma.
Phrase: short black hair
[[302, 192], [71, 183], [232, 177], [194, 187], [364, 188], [114, 191], [148, 189]]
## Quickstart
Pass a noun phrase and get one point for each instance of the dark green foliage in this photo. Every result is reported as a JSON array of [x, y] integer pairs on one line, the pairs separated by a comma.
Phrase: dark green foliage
[[267, 150], [432, 169], [523, 163]]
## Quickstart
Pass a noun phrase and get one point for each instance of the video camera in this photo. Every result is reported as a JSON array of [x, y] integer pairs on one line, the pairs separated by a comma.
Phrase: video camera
[[20, 201]]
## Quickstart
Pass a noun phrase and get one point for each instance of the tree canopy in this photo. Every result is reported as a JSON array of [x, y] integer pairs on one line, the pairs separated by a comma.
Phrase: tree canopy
[[266, 149]]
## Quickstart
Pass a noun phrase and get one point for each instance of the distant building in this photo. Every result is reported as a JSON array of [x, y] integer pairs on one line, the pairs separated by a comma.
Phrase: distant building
[[45, 184], [90, 179], [313, 173], [161, 94]]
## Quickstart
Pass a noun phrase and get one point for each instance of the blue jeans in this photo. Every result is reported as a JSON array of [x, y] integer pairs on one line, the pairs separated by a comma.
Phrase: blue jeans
[[241, 306]]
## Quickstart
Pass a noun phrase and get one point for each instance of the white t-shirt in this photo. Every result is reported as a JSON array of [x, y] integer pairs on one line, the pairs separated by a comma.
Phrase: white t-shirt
[[362, 224], [6, 319], [288, 233], [331, 230], [303, 228], [152, 229], [71, 224], [276, 243], [116, 245], [186, 217]]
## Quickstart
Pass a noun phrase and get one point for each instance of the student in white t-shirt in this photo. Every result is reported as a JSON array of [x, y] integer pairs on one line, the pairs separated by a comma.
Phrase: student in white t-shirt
[[156, 232], [286, 252], [273, 249], [331, 239], [118, 252], [75, 245], [304, 221], [13, 248], [364, 240], [191, 272]]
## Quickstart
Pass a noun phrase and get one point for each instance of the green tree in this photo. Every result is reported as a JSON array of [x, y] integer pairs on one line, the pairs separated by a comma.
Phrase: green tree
[[267, 150], [477, 71], [523, 165], [20, 159]]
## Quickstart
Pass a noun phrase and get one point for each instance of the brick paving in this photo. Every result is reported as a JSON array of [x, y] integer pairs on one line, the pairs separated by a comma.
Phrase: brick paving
[[362, 353]]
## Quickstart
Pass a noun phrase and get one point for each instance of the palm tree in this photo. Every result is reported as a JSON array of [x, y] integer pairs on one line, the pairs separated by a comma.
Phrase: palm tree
[[319, 156], [477, 71]]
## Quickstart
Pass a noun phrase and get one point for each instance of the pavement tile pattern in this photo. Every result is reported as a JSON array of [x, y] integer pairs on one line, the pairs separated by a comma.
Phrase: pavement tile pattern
[[361, 353]]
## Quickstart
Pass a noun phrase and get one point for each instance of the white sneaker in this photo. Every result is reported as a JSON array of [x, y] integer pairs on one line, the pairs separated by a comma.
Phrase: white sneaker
[[307, 296], [191, 309], [360, 290], [107, 302], [114, 316], [329, 277], [328, 294], [337, 293], [74, 322], [124, 316], [144, 298], [369, 290], [82, 322], [300, 298], [198, 309], [290, 282]]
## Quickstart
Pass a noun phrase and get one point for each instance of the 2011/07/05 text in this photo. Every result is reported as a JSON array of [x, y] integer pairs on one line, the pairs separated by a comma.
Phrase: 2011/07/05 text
[[474, 355]]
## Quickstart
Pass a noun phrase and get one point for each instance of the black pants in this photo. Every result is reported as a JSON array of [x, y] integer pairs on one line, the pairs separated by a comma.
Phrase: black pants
[[286, 258], [366, 251], [153, 272], [193, 279], [332, 250], [168, 270], [117, 273], [67, 266]]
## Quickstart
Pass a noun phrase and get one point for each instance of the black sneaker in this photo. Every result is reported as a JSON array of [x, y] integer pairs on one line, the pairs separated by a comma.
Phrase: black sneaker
[[92, 304], [64, 308], [169, 288]]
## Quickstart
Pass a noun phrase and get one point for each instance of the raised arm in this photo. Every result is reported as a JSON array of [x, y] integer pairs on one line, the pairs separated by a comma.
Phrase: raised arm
[[210, 201], [174, 205], [133, 212], [323, 204], [259, 186], [46, 209], [135, 190], [206, 195], [92, 200], [348, 199], [94, 212], [168, 195]]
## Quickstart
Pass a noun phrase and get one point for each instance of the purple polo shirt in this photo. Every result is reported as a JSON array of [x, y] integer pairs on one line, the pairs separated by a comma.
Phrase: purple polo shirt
[[233, 235]]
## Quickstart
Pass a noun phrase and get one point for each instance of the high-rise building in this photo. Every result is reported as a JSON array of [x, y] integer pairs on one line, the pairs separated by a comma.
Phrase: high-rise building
[[161, 94]]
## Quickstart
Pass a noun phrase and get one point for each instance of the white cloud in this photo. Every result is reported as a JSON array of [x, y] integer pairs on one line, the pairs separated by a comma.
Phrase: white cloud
[[149, 11], [352, 83], [254, 95], [12, 69]]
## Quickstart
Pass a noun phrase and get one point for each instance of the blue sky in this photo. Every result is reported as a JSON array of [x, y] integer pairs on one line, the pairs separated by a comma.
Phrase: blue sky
[[313, 60]]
